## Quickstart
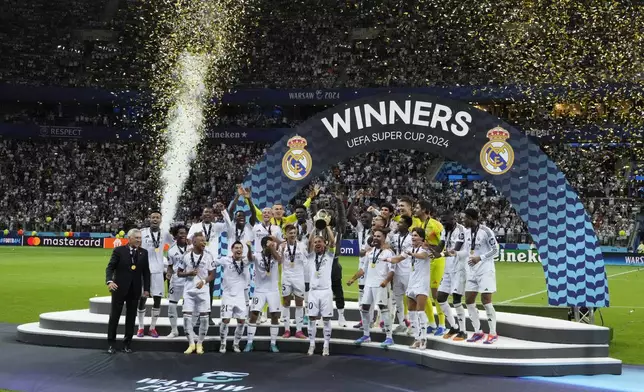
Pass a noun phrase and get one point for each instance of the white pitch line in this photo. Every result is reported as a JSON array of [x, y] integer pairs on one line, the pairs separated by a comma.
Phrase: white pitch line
[[545, 291]]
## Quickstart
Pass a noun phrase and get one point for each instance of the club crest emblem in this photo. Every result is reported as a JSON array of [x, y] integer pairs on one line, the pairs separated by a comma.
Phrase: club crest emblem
[[497, 155], [297, 162]]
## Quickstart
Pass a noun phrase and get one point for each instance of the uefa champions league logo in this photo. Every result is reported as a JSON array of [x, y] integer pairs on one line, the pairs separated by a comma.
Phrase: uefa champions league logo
[[220, 377]]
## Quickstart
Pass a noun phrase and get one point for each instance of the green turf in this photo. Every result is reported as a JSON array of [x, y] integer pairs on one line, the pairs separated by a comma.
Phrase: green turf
[[38, 280]]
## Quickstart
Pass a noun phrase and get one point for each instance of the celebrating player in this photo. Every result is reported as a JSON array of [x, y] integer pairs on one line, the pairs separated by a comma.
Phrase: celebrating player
[[197, 266], [321, 295], [154, 241], [376, 292], [304, 226], [266, 262], [294, 256], [362, 227], [418, 287], [401, 244], [233, 301], [175, 292], [481, 275], [453, 282]]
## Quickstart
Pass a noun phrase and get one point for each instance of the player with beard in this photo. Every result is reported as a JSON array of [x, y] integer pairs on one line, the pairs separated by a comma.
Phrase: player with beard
[[453, 281], [175, 292], [339, 224], [402, 245], [233, 301], [321, 296], [266, 290], [304, 226], [197, 266], [237, 230], [212, 227], [294, 256], [418, 287], [376, 293], [154, 241], [277, 210], [481, 274]]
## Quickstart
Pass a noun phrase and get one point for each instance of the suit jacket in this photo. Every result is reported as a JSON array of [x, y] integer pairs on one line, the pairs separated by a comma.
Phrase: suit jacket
[[120, 271]]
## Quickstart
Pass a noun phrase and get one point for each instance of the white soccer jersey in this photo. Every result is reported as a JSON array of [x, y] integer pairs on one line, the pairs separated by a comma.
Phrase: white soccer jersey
[[266, 273], [378, 268], [203, 263], [233, 233], [293, 260], [260, 231], [175, 254], [235, 275], [485, 246], [419, 276], [303, 231], [212, 232], [401, 243], [321, 267], [154, 242], [451, 238], [363, 238]]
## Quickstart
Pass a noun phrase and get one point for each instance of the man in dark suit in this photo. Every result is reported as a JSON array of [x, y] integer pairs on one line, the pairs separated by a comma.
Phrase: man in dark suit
[[127, 276]]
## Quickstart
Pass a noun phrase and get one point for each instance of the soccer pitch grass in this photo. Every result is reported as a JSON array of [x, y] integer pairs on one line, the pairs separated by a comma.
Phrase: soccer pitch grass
[[39, 280]]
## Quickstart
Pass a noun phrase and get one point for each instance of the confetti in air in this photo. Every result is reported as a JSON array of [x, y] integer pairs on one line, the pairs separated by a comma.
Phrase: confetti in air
[[185, 123]]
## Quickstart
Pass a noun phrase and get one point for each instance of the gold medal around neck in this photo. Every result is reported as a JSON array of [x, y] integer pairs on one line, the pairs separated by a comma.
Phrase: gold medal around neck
[[373, 265], [472, 252], [317, 274], [268, 273], [133, 267], [156, 250], [207, 243]]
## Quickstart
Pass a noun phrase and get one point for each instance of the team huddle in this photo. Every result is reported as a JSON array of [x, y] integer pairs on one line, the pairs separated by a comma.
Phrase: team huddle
[[408, 263]]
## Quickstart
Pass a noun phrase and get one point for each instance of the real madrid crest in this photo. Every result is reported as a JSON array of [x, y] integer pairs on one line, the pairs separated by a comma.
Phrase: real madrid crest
[[297, 163], [497, 155]]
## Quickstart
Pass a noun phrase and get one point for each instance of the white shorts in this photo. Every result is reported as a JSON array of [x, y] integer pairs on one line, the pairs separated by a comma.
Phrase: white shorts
[[272, 299], [483, 282], [156, 284], [233, 307], [196, 301], [416, 290], [176, 291], [293, 285], [321, 303], [453, 282], [401, 283], [375, 296]]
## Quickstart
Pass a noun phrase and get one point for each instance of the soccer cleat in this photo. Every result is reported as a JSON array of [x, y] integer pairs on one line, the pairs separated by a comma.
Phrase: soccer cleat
[[236, 348], [140, 333], [306, 320], [407, 323], [400, 329], [491, 339], [173, 334], [248, 348], [423, 344], [415, 345], [460, 336], [311, 350], [342, 321], [199, 348], [439, 331], [190, 349], [153, 333], [222, 348], [300, 335], [431, 330], [388, 342], [273, 348], [476, 337], [287, 335], [362, 339], [451, 333], [325, 351], [358, 326]]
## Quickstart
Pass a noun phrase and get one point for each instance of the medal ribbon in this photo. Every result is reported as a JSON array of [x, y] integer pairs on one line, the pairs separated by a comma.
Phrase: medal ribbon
[[192, 259], [267, 263], [238, 234], [207, 232], [239, 268], [291, 254], [413, 258], [400, 243], [156, 241], [473, 239], [318, 263], [375, 256]]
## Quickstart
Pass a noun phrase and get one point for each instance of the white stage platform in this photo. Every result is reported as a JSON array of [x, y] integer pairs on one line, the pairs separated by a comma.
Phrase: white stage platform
[[528, 345]]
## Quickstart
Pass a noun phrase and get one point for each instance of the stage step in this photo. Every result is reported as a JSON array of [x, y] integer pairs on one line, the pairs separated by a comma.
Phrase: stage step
[[506, 347], [433, 358], [517, 326]]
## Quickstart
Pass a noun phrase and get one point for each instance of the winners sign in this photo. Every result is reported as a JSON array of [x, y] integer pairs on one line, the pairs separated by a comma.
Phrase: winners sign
[[558, 223]]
